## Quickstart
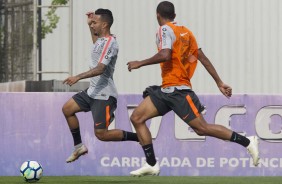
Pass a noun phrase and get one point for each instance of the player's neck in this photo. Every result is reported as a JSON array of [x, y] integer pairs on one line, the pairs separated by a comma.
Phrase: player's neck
[[105, 33], [165, 21]]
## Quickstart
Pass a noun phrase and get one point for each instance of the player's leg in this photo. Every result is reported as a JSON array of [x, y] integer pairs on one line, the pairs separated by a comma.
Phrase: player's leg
[[145, 110], [201, 127], [191, 106], [103, 115], [115, 135], [72, 106], [153, 105], [69, 109]]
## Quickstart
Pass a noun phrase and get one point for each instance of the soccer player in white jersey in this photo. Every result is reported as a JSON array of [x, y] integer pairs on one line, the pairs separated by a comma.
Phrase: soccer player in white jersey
[[101, 96]]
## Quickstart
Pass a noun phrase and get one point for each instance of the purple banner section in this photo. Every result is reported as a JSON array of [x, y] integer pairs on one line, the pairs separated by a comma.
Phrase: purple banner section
[[33, 128]]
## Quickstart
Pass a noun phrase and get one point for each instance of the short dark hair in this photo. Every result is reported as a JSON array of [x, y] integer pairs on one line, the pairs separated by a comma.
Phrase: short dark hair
[[106, 15], [166, 10]]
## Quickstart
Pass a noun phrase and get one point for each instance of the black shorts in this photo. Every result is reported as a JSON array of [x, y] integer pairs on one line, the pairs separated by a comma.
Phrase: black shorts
[[102, 110], [184, 103]]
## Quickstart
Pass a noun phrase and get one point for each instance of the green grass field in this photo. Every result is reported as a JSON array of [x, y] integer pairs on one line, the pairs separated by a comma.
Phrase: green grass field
[[143, 180]]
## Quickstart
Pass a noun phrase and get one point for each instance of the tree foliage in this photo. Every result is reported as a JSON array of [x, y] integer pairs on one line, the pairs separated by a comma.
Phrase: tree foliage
[[50, 23]]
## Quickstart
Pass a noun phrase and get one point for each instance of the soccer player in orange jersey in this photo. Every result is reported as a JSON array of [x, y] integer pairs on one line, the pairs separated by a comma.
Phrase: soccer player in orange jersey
[[177, 55]]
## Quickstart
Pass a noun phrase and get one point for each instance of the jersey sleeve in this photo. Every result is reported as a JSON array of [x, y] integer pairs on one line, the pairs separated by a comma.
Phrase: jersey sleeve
[[165, 37], [109, 51]]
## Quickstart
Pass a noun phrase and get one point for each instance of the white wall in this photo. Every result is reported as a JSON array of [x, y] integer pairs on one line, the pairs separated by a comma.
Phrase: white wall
[[241, 37]]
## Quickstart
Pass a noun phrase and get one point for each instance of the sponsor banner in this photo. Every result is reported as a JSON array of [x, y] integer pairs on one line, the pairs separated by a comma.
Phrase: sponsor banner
[[34, 128]]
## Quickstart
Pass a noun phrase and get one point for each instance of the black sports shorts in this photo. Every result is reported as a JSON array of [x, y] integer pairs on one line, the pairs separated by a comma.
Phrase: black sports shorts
[[102, 110], [184, 103]]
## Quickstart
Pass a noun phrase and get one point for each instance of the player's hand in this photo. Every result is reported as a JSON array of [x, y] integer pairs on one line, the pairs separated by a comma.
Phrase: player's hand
[[71, 80], [90, 16], [131, 65], [225, 90]]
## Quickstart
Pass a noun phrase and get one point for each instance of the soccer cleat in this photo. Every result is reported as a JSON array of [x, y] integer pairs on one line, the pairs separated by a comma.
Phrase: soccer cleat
[[82, 150], [147, 170], [253, 149]]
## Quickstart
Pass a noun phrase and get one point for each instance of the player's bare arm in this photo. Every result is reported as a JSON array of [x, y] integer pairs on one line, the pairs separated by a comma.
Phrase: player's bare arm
[[162, 56], [224, 88], [98, 70], [90, 16]]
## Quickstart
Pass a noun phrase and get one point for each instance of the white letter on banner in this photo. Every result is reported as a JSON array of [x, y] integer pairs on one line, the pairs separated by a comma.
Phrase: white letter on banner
[[103, 161], [125, 162], [175, 162], [263, 121], [115, 162], [164, 162], [274, 162], [186, 162], [223, 116], [154, 126], [210, 162], [201, 162], [223, 161]]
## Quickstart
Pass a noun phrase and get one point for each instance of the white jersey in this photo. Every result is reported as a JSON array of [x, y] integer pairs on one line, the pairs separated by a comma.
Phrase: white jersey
[[104, 50]]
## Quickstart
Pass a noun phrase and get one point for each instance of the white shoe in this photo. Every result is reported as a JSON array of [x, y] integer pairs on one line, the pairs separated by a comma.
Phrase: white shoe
[[82, 150], [253, 149], [147, 170]]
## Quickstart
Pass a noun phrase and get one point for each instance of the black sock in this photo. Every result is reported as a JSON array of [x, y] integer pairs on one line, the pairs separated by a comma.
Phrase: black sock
[[129, 136], [244, 141], [76, 136], [150, 155]]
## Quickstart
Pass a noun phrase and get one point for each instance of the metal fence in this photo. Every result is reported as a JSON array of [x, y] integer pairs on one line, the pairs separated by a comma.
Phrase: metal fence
[[16, 40]]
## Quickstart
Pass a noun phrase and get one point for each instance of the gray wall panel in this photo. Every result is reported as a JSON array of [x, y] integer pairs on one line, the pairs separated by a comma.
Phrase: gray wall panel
[[241, 37]]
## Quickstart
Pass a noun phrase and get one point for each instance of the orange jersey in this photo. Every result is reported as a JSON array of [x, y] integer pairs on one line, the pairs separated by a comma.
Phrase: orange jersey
[[184, 50]]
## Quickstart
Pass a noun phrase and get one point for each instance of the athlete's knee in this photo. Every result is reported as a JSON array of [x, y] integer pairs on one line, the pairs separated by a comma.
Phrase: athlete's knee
[[200, 132], [136, 119], [101, 135], [67, 110], [201, 129]]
